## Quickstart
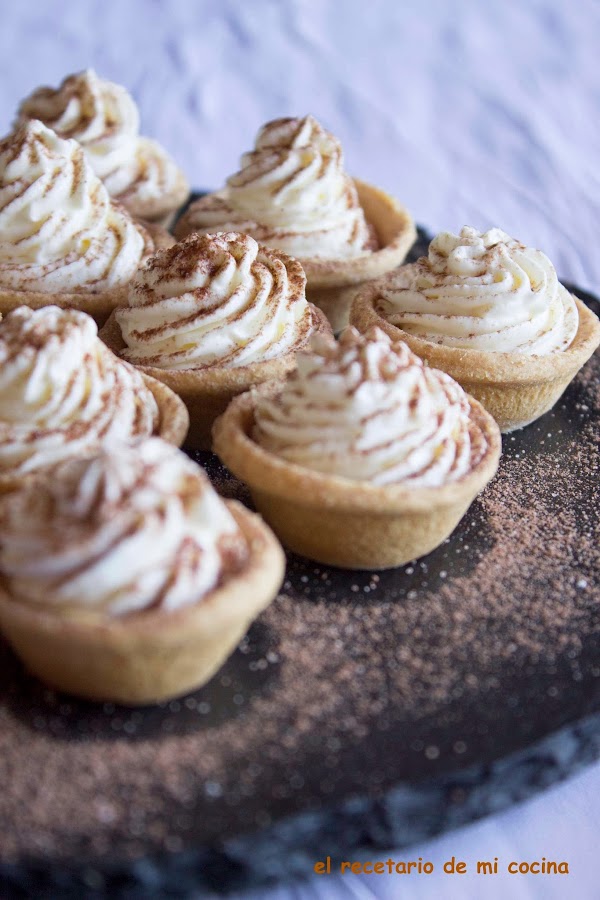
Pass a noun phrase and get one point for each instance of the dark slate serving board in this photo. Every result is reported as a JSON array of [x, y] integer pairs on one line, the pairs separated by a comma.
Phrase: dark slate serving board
[[360, 713]]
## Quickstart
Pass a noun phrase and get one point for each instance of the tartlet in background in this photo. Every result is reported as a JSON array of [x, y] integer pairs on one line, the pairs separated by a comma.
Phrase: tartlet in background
[[293, 194], [103, 117], [63, 241]]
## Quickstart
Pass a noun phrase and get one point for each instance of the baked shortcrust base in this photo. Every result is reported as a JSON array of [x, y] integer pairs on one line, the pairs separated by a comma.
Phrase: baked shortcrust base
[[149, 656], [514, 388], [207, 392], [342, 522]]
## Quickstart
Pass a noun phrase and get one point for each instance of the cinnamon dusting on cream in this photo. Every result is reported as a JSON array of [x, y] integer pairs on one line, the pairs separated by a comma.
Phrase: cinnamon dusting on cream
[[482, 291], [136, 527], [215, 300], [60, 230], [104, 119], [62, 392], [291, 193], [367, 409]]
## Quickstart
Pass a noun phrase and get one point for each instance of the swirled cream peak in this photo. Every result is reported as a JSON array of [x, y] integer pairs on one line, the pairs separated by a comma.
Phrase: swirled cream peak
[[100, 115], [482, 291], [367, 409], [134, 527], [215, 300], [291, 193], [104, 119], [62, 392], [59, 230]]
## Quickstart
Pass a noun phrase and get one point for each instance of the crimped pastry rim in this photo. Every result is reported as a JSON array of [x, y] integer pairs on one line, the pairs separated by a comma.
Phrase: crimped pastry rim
[[174, 419], [266, 472], [216, 377], [246, 587], [480, 366]]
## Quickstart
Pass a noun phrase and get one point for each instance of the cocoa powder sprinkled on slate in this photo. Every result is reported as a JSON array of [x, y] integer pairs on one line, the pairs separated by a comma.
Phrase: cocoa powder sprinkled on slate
[[349, 682]]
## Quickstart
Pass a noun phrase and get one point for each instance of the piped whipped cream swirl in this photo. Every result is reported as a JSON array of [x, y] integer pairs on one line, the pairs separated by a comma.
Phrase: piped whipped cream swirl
[[291, 193], [482, 291], [215, 300], [135, 527], [59, 230], [62, 392], [104, 119], [368, 409]]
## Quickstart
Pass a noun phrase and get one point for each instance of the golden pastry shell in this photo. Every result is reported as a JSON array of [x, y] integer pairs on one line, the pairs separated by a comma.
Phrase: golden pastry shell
[[516, 389], [151, 655], [341, 522]]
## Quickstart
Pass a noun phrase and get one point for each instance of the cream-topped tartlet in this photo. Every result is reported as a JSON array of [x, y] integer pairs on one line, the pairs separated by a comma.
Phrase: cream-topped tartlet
[[492, 313], [365, 410], [62, 240], [63, 394], [104, 119], [124, 576], [292, 193], [482, 291], [211, 316], [363, 457]]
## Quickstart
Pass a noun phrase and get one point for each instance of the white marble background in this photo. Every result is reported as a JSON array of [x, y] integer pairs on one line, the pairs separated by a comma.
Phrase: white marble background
[[482, 113]]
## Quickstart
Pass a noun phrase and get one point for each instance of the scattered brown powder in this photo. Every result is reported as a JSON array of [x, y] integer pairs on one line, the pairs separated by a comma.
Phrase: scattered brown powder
[[350, 681]]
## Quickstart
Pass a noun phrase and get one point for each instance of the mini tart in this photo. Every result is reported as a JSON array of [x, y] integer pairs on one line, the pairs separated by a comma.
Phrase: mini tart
[[172, 427], [151, 655], [161, 238], [516, 389], [332, 284], [341, 522], [160, 213], [104, 118], [207, 392], [98, 305]]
